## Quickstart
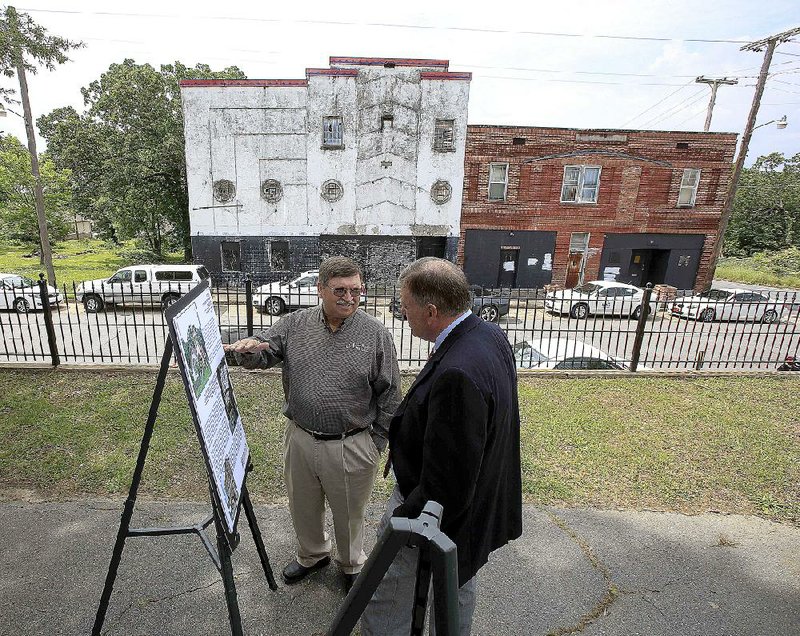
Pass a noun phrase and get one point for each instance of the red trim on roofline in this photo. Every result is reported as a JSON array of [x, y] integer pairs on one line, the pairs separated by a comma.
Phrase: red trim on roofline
[[345, 72], [380, 61], [243, 82], [438, 75]]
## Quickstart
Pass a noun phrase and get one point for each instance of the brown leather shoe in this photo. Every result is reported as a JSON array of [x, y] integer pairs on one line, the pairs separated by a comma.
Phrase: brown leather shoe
[[294, 572]]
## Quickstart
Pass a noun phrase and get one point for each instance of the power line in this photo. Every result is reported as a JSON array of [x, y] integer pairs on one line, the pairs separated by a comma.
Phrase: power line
[[390, 25], [656, 104], [696, 97], [566, 81], [692, 116]]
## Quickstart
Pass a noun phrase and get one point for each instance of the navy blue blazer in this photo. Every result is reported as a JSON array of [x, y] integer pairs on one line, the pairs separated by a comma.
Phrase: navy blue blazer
[[455, 439]]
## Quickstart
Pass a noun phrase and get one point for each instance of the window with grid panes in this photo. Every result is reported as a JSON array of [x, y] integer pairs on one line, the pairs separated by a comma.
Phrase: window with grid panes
[[580, 184], [332, 136], [498, 181], [689, 183], [443, 137]]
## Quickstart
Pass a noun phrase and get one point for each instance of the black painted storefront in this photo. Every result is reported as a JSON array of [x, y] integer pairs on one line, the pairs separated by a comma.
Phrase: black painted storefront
[[639, 259], [502, 258]]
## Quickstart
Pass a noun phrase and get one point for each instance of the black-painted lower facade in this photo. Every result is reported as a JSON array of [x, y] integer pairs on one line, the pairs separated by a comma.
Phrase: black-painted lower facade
[[503, 258], [270, 258], [525, 258], [638, 259]]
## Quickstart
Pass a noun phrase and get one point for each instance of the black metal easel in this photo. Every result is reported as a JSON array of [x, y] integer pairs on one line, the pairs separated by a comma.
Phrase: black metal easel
[[221, 555], [437, 553]]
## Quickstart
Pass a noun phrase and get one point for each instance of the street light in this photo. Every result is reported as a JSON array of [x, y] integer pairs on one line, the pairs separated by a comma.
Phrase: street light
[[780, 124]]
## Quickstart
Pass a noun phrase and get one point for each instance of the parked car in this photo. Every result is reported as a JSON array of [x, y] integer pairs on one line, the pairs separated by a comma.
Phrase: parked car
[[140, 285], [598, 297], [563, 353], [22, 294], [275, 298], [727, 304], [485, 305]]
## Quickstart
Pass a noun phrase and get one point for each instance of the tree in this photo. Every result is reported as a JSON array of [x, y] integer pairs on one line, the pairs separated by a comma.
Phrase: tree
[[22, 38], [766, 212], [17, 201], [126, 152]]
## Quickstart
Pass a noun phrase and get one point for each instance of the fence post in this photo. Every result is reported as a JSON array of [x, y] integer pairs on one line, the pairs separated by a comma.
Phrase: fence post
[[48, 320], [248, 295], [640, 325]]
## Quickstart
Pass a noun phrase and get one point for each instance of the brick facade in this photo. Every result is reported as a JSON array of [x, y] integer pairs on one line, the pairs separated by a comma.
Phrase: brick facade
[[639, 185]]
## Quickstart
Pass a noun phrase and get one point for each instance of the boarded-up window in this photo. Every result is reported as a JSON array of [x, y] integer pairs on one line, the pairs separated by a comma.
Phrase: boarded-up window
[[231, 256], [279, 254]]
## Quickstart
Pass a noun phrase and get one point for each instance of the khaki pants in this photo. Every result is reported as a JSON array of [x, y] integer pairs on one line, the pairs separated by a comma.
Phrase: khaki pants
[[341, 471]]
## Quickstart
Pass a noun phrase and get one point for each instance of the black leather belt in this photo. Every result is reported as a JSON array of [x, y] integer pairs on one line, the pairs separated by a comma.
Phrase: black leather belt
[[327, 437]]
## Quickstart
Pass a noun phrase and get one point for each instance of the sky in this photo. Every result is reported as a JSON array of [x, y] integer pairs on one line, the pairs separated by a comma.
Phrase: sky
[[578, 64]]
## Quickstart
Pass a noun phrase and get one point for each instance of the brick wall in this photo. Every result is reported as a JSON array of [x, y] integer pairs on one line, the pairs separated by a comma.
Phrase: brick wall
[[640, 180]]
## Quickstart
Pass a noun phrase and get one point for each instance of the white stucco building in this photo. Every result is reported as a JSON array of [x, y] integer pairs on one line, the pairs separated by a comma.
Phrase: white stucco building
[[365, 159]]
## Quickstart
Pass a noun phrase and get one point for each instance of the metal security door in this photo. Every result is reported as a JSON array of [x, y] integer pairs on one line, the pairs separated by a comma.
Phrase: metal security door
[[507, 276]]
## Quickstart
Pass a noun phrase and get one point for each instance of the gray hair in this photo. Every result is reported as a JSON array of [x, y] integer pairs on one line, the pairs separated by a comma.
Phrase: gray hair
[[437, 282], [338, 267]]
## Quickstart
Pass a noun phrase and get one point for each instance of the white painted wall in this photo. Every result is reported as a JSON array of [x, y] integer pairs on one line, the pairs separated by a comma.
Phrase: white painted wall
[[251, 133]]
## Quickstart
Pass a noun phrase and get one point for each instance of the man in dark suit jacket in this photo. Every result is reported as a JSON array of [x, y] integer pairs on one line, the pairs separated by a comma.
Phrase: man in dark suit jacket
[[454, 439]]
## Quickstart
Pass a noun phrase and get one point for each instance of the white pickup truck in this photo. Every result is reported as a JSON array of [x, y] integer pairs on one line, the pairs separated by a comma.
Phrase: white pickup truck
[[140, 285]]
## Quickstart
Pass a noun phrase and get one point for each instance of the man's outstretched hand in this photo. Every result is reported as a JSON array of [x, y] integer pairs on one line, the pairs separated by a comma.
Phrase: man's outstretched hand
[[242, 352]]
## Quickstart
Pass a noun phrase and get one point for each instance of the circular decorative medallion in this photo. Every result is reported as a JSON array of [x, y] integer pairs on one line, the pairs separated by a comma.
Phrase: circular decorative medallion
[[224, 190], [271, 191], [441, 192], [332, 190]]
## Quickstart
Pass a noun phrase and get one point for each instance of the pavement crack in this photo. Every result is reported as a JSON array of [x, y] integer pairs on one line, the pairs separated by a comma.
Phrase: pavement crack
[[611, 592]]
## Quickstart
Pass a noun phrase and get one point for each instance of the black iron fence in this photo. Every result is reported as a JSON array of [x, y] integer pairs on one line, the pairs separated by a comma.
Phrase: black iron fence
[[742, 329]]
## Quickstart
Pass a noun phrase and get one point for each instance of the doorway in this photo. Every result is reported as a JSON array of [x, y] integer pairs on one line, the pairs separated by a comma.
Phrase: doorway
[[509, 258], [648, 266]]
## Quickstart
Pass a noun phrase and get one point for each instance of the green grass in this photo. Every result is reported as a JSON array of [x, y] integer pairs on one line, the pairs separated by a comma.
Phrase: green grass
[[691, 445], [746, 270], [75, 260]]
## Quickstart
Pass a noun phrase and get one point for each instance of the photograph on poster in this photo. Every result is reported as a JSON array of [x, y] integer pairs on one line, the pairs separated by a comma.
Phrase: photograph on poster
[[219, 424], [195, 358], [228, 398]]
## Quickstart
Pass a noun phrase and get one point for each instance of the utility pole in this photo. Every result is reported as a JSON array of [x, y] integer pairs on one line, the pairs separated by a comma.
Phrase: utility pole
[[38, 193], [714, 83], [767, 45]]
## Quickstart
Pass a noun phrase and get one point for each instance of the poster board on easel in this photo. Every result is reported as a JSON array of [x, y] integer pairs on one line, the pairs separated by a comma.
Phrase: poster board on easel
[[195, 333]]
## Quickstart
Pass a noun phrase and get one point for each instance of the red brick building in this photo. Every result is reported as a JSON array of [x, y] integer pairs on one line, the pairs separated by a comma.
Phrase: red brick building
[[559, 205]]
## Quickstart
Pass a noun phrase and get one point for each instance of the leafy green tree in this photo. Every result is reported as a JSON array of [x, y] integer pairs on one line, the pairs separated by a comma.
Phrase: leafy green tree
[[17, 201], [126, 152], [766, 211]]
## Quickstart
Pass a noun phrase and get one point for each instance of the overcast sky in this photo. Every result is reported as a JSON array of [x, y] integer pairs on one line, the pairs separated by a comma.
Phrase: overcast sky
[[533, 63]]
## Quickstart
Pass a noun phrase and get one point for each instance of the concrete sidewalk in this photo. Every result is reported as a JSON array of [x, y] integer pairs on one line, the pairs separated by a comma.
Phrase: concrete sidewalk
[[596, 572]]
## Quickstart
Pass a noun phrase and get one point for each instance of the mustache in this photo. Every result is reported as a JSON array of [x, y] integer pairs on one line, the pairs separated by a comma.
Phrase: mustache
[[345, 303]]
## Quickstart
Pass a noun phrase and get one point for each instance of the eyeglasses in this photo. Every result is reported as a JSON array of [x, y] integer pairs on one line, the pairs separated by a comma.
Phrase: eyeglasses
[[340, 292]]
